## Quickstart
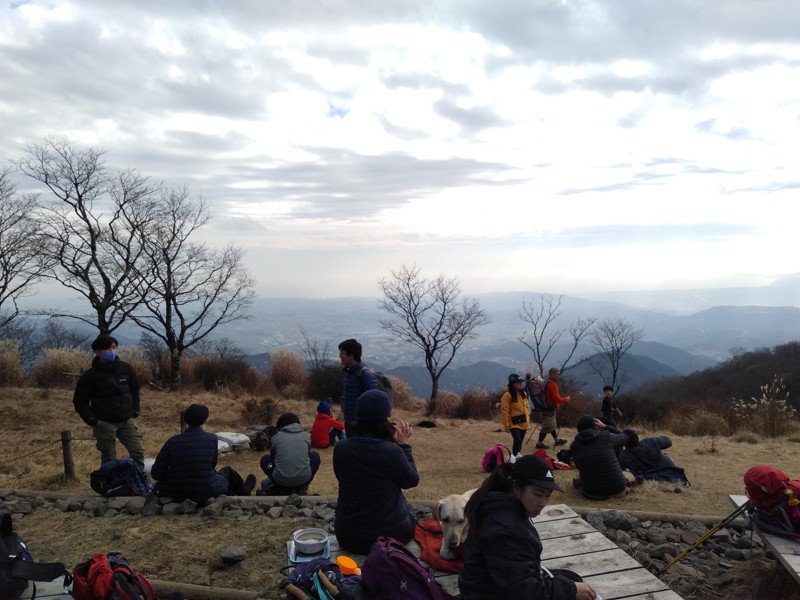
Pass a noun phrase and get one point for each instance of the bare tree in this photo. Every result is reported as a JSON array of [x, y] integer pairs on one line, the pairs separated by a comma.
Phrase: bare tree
[[54, 334], [94, 250], [21, 261], [544, 334], [429, 314], [612, 338], [315, 350], [188, 290]]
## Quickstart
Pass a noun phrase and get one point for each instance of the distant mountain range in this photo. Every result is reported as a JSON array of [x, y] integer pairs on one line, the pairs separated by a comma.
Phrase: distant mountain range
[[674, 342]]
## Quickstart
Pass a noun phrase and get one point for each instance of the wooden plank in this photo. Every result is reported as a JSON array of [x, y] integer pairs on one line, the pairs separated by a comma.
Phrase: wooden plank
[[786, 550], [634, 583], [594, 563], [551, 530], [577, 544]]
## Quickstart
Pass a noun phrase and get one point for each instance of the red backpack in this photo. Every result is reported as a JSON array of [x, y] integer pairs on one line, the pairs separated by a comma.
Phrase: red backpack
[[775, 499], [494, 457], [109, 577]]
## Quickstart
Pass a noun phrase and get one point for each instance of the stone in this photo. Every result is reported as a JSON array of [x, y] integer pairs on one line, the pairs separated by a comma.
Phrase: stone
[[275, 512], [187, 507], [232, 555], [136, 505]]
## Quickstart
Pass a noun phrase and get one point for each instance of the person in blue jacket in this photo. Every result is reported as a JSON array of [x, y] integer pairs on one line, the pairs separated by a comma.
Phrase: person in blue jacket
[[357, 380], [373, 467], [185, 467]]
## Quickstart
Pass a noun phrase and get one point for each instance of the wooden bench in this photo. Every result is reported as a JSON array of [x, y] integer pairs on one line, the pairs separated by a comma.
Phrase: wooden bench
[[786, 550], [572, 543]]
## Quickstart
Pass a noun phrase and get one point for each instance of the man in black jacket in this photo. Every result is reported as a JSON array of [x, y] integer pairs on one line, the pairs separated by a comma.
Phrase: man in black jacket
[[107, 399]]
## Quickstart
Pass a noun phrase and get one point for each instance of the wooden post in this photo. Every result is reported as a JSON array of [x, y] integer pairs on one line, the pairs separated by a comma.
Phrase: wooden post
[[184, 425], [66, 450], [270, 406]]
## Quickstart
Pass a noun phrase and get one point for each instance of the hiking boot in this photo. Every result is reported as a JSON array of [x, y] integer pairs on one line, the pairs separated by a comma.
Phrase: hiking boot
[[249, 484], [542, 446], [560, 442]]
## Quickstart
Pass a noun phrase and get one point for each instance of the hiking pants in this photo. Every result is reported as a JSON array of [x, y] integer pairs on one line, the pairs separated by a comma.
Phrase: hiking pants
[[517, 436], [106, 434]]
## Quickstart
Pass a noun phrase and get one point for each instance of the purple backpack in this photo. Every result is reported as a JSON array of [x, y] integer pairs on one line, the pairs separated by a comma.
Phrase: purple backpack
[[391, 572]]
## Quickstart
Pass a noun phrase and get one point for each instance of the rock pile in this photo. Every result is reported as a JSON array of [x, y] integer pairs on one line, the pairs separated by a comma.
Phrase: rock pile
[[703, 573]]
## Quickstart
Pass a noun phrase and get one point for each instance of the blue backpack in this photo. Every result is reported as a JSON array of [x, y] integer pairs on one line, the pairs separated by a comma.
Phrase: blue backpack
[[121, 477]]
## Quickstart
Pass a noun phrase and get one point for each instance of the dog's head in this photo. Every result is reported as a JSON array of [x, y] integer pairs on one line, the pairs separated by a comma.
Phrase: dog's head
[[449, 511]]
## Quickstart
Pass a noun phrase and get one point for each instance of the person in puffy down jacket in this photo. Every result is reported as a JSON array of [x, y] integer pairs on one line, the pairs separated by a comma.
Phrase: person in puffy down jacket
[[594, 451]]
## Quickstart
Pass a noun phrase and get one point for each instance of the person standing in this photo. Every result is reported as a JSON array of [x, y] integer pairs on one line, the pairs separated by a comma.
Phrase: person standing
[[515, 413], [610, 410], [326, 430], [107, 399], [357, 380], [553, 402]]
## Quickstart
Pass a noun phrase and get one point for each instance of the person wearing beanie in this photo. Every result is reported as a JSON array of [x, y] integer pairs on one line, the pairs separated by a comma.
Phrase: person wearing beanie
[[514, 411], [553, 402], [326, 430], [107, 399], [594, 451], [373, 466], [291, 463], [503, 551], [185, 467], [357, 379]]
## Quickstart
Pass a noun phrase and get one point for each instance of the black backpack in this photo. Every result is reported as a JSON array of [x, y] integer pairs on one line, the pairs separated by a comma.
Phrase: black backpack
[[120, 477], [16, 565], [384, 383]]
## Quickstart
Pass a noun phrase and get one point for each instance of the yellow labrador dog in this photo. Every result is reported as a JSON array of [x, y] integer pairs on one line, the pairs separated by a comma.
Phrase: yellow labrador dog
[[450, 513]]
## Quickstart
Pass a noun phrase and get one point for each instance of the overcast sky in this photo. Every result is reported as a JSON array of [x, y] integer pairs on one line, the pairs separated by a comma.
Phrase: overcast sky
[[540, 145]]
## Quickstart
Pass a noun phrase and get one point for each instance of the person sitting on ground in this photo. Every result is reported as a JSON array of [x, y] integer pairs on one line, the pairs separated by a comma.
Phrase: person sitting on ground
[[185, 468], [326, 430], [373, 467], [291, 464], [594, 454], [645, 455], [503, 552]]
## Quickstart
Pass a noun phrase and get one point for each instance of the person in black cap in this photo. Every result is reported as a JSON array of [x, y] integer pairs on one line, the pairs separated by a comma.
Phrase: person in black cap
[[515, 413], [186, 465], [373, 467], [107, 399], [503, 551]]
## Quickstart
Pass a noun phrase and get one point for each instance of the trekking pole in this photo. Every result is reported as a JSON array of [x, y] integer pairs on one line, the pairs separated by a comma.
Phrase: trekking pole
[[708, 534], [532, 432]]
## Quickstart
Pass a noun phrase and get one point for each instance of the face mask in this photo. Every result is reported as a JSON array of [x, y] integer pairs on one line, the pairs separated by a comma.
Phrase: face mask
[[108, 355]]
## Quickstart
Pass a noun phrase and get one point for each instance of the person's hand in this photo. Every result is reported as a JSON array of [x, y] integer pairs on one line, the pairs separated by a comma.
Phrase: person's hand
[[600, 424], [402, 432], [583, 591]]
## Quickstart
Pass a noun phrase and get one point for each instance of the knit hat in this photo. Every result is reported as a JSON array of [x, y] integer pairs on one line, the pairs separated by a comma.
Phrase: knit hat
[[195, 415], [633, 437], [586, 422], [103, 342], [533, 469], [373, 405], [324, 407]]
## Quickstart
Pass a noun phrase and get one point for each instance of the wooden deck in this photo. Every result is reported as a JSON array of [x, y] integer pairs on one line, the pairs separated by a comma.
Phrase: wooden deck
[[786, 551], [572, 543]]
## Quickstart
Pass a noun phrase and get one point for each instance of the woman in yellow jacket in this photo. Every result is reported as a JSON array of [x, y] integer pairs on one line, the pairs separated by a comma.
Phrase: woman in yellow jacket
[[514, 410]]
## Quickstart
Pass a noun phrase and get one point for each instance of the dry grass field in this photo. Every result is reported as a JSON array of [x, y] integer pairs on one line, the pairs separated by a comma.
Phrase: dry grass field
[[187, 548]]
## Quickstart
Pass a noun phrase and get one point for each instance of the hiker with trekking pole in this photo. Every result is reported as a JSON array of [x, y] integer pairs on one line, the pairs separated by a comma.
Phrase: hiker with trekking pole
[[553, 401]]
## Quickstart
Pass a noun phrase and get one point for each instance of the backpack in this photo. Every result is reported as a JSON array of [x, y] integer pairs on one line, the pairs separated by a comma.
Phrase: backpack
[[391, 572], [775, 499], [109, 577], [536, 395], [305, 577], [494, 457], [16, 564], [121, 477], [384, 383]]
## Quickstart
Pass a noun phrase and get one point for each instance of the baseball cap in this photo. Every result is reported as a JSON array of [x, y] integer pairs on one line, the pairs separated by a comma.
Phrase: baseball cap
[[533, 469]]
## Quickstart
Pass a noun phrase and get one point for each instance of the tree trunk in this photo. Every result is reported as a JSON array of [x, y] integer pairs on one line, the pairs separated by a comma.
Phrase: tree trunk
[[434, 394], [175, 363]]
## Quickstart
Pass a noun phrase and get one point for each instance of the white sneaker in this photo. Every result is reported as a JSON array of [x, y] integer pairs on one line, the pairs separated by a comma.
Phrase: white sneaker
[[513, 458], [518, 456]]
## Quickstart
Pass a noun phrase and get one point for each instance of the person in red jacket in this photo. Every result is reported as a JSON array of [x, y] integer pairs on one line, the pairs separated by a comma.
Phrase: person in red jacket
[[553, 402], [326, 430]]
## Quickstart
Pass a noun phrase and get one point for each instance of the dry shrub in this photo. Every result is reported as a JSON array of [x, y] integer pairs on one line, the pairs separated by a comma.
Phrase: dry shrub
[[60, 367], [479, 403], [293, 391], [10, 363], [769, 415], [696, 423], [448, 404], [325, 382], [746, 437], [286, 369], [232, 374], [260, 410], [134, 356], [401, 394]]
